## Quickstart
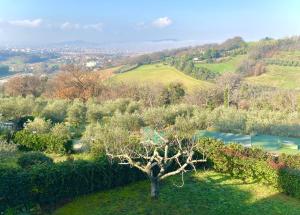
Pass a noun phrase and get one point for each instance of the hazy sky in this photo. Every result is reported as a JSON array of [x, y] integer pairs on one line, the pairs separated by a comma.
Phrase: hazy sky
[[44, 21]]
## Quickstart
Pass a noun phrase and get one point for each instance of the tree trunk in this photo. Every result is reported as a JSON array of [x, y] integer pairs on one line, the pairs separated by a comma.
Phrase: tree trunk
[[154, 188]]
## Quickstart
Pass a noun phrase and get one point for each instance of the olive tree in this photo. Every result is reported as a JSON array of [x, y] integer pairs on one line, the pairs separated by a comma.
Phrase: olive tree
[[158, 154]]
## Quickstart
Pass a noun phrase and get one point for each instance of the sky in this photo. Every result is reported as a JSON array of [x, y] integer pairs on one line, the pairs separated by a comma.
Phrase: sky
[[129, 21]]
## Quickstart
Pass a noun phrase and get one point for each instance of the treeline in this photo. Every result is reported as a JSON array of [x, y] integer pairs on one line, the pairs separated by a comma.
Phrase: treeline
[[187, 62], [229, 90], [57, 116], [282, 62], [187, 65], [255, 64]]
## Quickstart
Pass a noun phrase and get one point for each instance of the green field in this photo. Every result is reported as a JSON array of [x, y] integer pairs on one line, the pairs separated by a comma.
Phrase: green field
[[159, 73], [206, 193], [267, 142], [284, 77], [229, 65]]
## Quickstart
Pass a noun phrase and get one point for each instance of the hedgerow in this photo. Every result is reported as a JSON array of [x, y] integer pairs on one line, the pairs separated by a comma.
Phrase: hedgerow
[[48, 185], [255, 165]]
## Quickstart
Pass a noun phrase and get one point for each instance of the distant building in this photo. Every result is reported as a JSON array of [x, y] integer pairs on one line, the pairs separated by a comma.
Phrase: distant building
[[91, 64], [196, 60]]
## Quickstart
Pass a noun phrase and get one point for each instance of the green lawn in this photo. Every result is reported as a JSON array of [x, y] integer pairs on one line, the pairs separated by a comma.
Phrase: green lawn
[[284, 77], [229, 65], [206, 193], [159, 73], [267, 142]]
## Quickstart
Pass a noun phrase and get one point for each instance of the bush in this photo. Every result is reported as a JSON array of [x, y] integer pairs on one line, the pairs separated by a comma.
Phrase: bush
[[7, 147], [289, 181], [53, 142], [29, 159], [248, 164], [254, 165], [50, 185]]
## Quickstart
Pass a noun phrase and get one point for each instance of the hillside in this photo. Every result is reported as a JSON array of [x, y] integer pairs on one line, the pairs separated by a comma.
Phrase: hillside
[[284, 77], [159, 73], [227, 65]]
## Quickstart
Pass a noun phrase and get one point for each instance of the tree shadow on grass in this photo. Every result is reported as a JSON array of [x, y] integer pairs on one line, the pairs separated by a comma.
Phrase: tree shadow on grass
[[206, 193], [232, 196]]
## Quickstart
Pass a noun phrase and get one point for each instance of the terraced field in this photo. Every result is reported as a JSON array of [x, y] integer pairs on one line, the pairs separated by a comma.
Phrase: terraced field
[[284, 77], [160, 73]]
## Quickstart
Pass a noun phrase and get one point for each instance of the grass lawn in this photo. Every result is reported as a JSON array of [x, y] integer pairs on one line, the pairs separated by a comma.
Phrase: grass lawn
[[159, 73], [284, 77], [267, 142], [206, 193], [229, 65]]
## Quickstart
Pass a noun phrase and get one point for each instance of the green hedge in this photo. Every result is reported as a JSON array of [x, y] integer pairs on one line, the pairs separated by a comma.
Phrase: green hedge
[[50, 185], [255, 165], [289, 182]]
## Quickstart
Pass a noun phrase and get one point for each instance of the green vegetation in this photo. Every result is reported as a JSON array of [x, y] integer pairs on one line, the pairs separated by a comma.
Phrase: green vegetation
[[159, 73], [203, 193], [284, 77], [287, 55], [149, 118], [48, 185], [229, 64]]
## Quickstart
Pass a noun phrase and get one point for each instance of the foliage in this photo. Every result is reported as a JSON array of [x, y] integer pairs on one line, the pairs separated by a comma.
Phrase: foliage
[[76, 114], [25, 85], [56, 139], [27, 160], [254, 165], [56, 110], [289, 181], [172, 94], [38, 125], [50, 185]]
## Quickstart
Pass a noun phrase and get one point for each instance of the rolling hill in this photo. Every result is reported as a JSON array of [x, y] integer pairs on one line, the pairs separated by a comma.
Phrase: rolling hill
[[160, 73], [229, 65], [284, 77]]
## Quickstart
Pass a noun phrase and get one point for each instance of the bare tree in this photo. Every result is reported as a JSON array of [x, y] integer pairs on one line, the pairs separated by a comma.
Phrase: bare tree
[[158, 159]]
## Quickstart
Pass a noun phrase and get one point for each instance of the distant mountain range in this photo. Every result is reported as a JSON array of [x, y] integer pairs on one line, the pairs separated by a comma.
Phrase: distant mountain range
[[123, 46], [141, 46]]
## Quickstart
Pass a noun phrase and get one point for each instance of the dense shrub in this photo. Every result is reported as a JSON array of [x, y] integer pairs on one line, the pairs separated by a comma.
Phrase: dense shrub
[[289, 182], [29, 159], [254, 165], [49, 185], [5, 134], [42, 142], [248, 164], [7, 147]]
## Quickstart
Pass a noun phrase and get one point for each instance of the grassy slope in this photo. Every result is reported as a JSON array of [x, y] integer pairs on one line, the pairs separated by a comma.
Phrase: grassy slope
[[284, 77], [229, 65], [287, 55], [203, 193], [160, 73]]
